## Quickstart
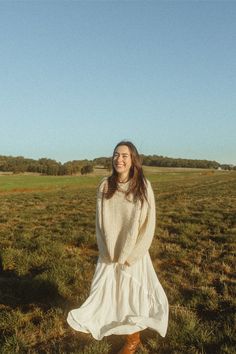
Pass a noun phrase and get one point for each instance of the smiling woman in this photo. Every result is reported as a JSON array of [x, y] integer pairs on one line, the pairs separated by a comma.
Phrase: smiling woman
[[122, 162], [126, 296]]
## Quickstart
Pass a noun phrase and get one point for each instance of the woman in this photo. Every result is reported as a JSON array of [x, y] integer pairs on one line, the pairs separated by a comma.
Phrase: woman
[[126, 296]]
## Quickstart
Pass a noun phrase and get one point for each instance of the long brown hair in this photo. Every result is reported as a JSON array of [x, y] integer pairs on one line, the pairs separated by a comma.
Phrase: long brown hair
[[137, 186]]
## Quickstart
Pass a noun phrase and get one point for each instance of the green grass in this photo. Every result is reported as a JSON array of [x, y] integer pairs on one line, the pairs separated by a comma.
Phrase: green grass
[[20, 183], [48, 255]]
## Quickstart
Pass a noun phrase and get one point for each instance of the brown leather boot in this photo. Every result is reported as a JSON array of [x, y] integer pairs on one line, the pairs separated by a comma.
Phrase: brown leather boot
[[131, 344]]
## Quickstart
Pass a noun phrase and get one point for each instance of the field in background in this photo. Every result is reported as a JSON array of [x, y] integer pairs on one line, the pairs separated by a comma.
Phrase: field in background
[[48, 255], [33, 182]]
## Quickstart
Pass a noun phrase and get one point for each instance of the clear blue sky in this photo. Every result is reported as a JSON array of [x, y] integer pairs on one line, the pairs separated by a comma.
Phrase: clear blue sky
[[76, 77]]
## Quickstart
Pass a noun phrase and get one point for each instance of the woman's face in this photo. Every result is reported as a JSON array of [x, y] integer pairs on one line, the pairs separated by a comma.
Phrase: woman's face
[[122, 160]]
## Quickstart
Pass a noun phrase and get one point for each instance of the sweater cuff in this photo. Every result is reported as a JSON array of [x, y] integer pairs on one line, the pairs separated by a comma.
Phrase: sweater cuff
[[131, 260], [123, 258]]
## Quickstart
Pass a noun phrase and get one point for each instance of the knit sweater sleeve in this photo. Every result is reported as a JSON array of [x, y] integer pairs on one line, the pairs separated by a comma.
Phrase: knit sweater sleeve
[[101, 242], [146, 230]]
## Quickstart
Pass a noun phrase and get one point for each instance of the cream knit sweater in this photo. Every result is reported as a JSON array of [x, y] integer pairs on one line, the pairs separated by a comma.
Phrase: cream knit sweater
[[124, 228]]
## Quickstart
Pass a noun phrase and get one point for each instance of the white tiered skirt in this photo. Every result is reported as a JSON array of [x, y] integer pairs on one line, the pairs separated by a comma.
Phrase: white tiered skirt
[[123, 300]]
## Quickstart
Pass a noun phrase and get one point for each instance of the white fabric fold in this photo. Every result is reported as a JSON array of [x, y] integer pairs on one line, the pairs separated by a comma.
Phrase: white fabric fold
[[122, 300]]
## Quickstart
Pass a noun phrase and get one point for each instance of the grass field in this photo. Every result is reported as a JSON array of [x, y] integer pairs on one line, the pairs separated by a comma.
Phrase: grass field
[[48, 255]]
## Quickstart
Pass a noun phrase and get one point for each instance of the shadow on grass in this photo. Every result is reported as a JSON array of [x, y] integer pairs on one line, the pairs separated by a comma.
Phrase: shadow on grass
[[22, 291]]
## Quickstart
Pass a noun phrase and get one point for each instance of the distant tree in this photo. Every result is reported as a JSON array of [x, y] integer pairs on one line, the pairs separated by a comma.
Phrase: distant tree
[[49, 166], [226, 167], [108, 164], [86, 169], [73, 167], [67, 168]]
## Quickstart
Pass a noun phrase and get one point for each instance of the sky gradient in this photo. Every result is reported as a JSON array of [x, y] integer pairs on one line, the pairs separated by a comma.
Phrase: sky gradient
[[76, 77]]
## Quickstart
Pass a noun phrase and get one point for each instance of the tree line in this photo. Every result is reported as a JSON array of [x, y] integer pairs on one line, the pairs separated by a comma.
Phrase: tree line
[[47, 166], [163, 161], [44, 166]]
